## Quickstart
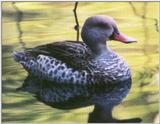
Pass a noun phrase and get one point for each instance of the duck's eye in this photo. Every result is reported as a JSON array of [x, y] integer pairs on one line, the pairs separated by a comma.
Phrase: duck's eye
[[112, 36], [115, 32]]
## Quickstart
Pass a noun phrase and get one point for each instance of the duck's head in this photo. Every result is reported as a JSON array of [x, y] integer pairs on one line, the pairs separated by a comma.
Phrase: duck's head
[[99, 29]]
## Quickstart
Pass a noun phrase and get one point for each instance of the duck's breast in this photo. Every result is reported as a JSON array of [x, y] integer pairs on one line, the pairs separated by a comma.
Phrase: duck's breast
[[115, 69]]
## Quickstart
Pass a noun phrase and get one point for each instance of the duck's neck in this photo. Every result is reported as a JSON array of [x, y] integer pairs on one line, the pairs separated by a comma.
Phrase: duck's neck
[[102, 50]]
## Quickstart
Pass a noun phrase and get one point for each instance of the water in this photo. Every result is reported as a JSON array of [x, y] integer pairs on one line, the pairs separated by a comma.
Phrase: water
[[44, 22]]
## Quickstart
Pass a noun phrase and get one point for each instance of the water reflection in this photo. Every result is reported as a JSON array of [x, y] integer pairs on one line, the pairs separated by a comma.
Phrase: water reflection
[[74, 96]]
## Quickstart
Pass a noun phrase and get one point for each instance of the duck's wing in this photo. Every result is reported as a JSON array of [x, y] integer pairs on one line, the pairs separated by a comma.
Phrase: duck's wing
[[60, 62], [75, 54], [54, 70]]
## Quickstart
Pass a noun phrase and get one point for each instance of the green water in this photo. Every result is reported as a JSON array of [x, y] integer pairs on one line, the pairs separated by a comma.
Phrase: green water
[[45, 22]]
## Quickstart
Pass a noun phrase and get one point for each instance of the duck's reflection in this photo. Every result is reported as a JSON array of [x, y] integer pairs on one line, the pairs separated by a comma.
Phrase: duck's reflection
[[74, 96]]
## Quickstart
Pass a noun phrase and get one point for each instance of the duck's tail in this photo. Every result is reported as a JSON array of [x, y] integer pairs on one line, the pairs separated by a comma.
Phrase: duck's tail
[[25, 60], [20, 56]]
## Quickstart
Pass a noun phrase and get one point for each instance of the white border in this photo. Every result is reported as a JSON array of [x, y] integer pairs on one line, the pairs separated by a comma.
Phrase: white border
[[68, 1], [81, 0]]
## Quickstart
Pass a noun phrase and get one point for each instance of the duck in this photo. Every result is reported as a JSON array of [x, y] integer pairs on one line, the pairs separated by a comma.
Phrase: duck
[[83, 63]]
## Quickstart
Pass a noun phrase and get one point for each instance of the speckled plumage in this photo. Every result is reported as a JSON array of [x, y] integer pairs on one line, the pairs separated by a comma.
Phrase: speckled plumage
[[54, 70]]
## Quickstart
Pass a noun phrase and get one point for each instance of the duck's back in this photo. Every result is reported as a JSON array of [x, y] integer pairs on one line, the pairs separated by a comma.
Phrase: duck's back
[[74, 53]]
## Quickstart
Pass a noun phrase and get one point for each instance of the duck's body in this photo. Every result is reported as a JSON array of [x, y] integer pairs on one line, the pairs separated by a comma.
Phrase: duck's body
[[82, 63], [74, 63]]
